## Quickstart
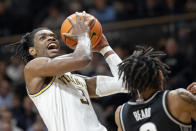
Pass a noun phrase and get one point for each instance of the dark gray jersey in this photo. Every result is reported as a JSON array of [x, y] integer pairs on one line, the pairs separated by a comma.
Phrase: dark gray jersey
[[151, 115], [194, 125]]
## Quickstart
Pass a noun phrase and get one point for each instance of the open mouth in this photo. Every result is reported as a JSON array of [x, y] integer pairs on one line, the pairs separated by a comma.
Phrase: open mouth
[[52, 46]]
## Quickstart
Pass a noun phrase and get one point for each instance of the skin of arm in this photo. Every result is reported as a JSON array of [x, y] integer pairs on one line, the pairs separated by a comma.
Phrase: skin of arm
[[117, 118], [182, 104]]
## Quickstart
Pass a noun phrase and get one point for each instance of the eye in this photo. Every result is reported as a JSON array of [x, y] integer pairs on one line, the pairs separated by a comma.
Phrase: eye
[[42, 37], [53, 35]]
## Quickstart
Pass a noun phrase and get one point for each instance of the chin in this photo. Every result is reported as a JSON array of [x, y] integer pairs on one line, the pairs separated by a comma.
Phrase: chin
[[54, 55]]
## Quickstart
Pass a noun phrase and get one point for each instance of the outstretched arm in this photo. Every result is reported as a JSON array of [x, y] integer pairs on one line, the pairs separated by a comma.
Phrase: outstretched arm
[[110, 56]]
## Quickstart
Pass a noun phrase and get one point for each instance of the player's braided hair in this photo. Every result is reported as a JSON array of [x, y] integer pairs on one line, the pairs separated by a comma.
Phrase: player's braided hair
[[140, 70], [22, 47]]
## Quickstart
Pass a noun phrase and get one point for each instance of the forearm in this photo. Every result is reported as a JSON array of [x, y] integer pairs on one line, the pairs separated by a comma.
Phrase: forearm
[[106, 85], [83, 48], [112, 59]]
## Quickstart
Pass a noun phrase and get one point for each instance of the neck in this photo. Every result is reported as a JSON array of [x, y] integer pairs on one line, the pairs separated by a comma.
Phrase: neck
[[147, 93]]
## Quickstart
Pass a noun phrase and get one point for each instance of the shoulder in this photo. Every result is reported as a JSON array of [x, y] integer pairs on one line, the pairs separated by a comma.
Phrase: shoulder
[[181, 93], [182, 97], [33, 66], [35, 63]]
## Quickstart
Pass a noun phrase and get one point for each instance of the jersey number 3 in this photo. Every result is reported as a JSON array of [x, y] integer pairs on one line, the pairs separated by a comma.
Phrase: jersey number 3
[[84, 99], [148, 127]]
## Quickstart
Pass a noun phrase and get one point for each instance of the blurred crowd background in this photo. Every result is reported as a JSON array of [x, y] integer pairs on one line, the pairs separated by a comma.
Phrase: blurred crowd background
[[177, 39]]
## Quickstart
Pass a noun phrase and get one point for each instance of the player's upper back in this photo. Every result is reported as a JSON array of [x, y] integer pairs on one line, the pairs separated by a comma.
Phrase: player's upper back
[[64, 105], [152, 115]]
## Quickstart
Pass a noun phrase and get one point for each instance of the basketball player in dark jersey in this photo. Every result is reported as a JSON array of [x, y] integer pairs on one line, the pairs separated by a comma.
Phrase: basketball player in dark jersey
[[151, 108]]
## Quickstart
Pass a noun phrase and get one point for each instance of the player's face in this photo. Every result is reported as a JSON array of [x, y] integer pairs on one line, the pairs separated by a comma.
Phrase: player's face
[[46, 44]]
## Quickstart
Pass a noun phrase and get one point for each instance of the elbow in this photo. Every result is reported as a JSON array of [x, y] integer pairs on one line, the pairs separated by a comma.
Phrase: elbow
[[86, 59]]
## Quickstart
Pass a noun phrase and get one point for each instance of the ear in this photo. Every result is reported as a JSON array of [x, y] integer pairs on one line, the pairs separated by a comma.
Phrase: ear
[[32, 51]]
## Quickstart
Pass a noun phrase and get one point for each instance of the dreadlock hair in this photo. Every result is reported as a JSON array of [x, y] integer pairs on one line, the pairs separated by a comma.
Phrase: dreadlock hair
[[140, 70], [22, 47]]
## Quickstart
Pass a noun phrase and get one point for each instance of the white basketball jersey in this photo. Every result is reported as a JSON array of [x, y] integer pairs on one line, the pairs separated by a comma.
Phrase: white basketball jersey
[[64, 105]]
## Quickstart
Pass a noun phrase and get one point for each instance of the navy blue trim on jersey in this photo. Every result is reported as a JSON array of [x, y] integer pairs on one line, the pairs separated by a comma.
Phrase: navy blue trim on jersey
[[170, 116]]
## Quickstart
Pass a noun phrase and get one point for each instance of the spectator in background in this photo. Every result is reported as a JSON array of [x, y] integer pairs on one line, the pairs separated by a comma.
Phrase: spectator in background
[[55, 18], [151, 8], [5, 94], [74, 6], [147, 8], [15, 70], [18, 112], [103, 12], [38, 125], [29, 113], [122, 52], [172, 7], [190, 5], [125, 9], [99, 66], [4, 126], [162, 44], [7, 122], [185, 42], [3, 68], [178, 64]]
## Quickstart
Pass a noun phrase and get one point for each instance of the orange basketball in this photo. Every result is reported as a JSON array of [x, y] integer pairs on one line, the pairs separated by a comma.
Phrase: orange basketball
[[94, 35]]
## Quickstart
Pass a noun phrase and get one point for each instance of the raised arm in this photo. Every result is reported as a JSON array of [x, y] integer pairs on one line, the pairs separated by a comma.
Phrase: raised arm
[[43, 66], [110, 56], [106, 85]]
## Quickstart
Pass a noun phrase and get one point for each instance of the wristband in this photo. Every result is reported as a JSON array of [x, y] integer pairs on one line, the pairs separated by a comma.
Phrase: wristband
[[105, 50]]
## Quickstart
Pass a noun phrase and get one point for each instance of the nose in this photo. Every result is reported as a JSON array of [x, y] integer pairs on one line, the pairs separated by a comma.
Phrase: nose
[[51, 38]]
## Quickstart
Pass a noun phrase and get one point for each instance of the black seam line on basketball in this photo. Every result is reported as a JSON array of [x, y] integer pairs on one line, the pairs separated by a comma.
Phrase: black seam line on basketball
[[99, 35], [69, 30], [93, 25], [93, 34]]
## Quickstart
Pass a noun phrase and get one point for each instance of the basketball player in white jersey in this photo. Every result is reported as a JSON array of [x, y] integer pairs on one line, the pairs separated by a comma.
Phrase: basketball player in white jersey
[[62, 98]]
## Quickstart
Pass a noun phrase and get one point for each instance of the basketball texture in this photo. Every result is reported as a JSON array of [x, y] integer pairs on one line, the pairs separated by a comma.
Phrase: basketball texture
[[94, 35]]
